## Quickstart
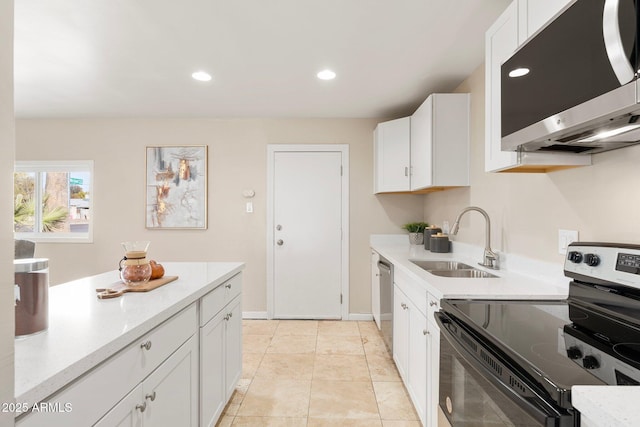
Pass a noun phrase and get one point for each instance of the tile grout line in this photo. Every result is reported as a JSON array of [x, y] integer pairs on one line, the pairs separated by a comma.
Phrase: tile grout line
[[313, 370], [366, 358]]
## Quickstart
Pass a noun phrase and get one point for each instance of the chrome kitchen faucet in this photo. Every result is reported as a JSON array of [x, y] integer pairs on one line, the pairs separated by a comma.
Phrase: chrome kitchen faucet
[[490, 257]]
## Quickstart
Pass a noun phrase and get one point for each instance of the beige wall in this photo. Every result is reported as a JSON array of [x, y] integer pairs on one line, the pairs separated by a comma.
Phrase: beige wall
[[600, 201], [7, 142], [526, 209], [237, 161]]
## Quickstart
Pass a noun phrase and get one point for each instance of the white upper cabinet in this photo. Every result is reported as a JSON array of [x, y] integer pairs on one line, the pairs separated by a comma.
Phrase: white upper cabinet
[[536, 13], [392, 142], [440, 142], [521, 19]]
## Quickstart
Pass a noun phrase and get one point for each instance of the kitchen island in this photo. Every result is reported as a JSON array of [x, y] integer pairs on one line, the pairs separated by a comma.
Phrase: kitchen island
[[117, 343]]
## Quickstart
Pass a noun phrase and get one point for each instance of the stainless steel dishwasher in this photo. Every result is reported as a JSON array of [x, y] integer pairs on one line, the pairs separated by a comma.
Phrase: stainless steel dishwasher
[[386, 302]]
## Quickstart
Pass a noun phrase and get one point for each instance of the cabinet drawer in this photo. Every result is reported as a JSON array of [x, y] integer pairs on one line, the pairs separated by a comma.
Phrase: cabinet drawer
[[412, 289], [213, 302], [165, 339], [95, 393]]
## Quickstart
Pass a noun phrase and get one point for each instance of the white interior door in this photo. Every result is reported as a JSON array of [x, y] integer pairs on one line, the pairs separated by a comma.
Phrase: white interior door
[[307, 234]]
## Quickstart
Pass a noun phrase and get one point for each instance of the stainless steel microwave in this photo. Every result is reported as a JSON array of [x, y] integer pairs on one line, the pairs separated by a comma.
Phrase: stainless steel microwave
[[573, 87]]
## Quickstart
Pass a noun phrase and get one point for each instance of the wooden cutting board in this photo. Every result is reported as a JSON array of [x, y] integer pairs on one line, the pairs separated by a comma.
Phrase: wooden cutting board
[[118, 288]]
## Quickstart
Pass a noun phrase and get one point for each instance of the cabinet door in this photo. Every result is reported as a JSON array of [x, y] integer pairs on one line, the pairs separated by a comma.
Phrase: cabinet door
[[433, 372], [401, 332], [212, 370], [450, 139], [391, 156], [171, 391], [539, 12], [127, 413], [421, 145], [501, 41], [233, 347], [418, 375]]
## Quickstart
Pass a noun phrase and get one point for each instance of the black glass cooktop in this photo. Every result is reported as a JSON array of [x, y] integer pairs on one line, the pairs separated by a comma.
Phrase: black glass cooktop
[[530, 332]]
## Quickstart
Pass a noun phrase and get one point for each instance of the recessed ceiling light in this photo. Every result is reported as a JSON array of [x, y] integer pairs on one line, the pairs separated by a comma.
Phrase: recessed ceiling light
[[201, 76], [326, 75], [519, 72]]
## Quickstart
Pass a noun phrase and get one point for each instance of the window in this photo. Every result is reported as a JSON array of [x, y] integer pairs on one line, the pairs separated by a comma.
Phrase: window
[[53, 201]]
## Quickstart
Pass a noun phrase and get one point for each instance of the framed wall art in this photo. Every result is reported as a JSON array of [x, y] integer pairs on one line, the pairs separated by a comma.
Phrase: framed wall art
[[176, 187]]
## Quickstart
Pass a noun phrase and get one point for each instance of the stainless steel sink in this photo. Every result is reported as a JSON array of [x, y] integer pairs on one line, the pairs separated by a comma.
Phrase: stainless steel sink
[[447, 268], [441, 265], [471, 273]]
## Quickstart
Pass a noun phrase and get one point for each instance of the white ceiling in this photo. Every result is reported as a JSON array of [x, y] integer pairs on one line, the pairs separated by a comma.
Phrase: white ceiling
[[134, 58]]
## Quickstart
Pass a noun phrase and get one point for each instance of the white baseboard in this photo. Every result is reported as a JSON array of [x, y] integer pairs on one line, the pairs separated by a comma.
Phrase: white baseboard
[[263, 315], [254, 314], [360, 316]]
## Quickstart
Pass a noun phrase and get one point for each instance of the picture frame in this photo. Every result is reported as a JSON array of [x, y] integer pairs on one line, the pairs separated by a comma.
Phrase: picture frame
[[176, 187]]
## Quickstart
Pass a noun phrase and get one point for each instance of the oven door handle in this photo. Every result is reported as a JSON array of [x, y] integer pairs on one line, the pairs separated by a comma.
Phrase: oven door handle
[[542, 410]]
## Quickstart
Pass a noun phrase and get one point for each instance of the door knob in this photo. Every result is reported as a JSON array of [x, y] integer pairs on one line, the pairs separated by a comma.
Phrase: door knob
[[279, 242]]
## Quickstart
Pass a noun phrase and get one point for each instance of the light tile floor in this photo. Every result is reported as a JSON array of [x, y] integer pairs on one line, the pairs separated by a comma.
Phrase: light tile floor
[[317, 374]]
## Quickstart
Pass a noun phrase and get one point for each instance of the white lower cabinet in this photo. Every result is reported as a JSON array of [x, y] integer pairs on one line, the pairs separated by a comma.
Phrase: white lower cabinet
[[433, 362], [410, 343], [127, 412], [220, 360], [115, 378], [171, 391], [233, 348], [168, 397], [212, 355], [418, 375], [401, 333], [416, 345]]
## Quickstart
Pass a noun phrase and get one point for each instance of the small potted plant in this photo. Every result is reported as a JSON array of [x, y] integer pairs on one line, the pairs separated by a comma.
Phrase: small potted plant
[[416, 232]]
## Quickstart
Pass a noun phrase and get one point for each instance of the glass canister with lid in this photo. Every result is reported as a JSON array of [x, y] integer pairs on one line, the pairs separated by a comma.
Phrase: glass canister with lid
[[134, 266]]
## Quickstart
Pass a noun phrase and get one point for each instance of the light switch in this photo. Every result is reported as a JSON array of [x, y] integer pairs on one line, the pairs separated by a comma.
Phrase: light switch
[[565, 237], [249, 207]]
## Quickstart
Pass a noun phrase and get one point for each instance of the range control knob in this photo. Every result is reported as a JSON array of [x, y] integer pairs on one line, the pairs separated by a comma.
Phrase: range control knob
[[575, 257], [574, 353], [592, 259], [590, 362]]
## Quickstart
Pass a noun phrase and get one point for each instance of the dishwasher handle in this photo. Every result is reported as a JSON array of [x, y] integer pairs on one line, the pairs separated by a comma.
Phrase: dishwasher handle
[[384, 268]]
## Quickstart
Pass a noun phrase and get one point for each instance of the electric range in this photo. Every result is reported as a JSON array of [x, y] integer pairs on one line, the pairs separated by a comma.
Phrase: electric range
[[514, 362]]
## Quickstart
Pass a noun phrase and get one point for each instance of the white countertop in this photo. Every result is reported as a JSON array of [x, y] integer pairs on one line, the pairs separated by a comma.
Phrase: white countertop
[[84, 330], [608, 406], [518, 278]]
